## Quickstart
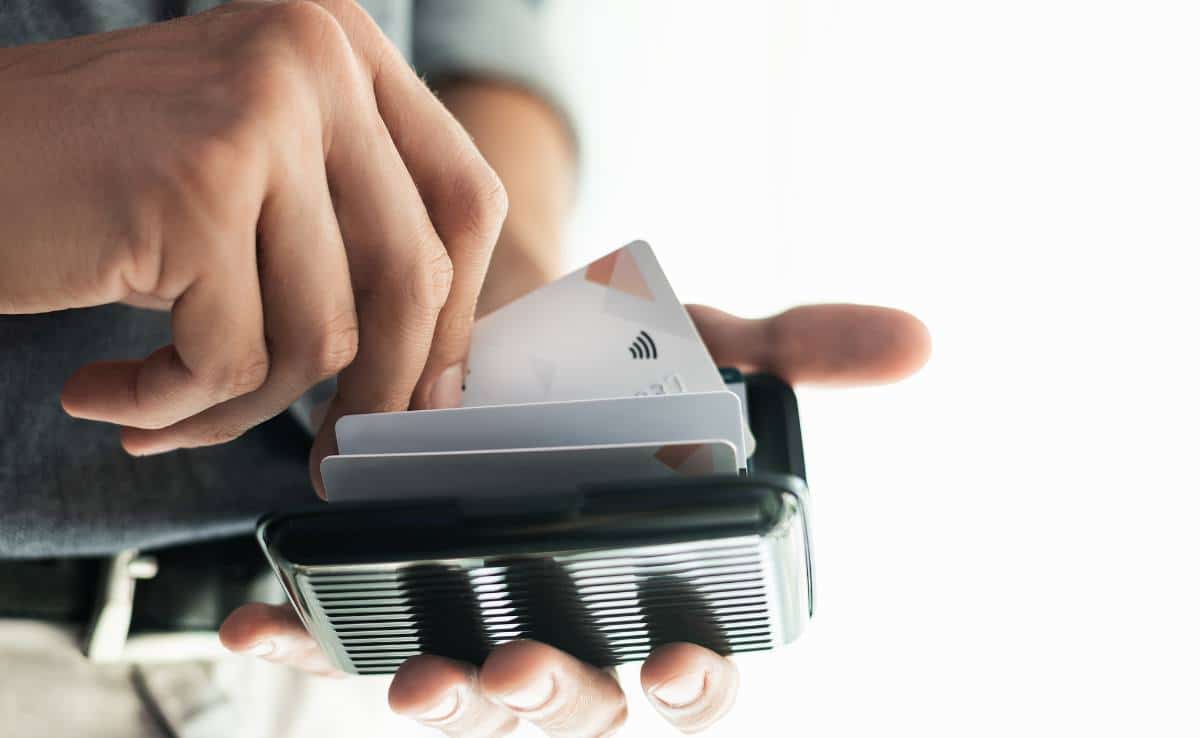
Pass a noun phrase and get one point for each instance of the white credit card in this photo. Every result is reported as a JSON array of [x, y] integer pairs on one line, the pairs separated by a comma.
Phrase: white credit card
[[611, 329], [623, 420], [527, 471]]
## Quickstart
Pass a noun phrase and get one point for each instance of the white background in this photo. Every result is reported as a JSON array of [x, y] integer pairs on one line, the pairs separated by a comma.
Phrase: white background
[[1006, 544]]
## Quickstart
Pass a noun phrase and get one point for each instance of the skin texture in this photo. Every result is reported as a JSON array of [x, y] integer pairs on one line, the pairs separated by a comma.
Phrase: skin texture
[[282, 182], [305, 207]]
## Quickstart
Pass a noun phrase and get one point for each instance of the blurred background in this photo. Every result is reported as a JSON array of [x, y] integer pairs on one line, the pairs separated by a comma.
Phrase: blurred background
[[1005, 543]]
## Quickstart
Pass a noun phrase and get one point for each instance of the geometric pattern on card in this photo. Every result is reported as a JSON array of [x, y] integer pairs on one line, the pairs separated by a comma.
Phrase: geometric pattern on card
[[687, 459], [619, 271]]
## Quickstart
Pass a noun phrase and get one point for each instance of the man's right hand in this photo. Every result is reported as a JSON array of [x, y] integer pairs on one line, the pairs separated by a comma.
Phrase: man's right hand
[[278, 177]]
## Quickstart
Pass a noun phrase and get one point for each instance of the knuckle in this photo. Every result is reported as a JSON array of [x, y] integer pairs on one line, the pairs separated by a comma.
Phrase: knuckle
[[266, 85], [344, 10], [308, 36], [336, 346], [137, 258], [455, 329], [291, 47], [208, 163], [235, 378], [299, 23], [481, 202], [431, 280], [209, 174]]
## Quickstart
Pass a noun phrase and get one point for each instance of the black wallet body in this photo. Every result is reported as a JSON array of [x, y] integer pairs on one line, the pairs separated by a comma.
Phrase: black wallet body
[[605, 572]]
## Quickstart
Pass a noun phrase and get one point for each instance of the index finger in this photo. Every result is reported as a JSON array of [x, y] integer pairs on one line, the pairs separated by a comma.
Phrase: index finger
[[464, 198]]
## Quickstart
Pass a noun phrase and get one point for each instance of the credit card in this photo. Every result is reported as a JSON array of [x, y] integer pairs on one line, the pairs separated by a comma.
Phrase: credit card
[[623, 420], [527, 471], [611, 329]]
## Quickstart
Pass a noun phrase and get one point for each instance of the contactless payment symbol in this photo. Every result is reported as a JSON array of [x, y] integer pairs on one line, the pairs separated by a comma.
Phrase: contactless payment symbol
[[643, 347]]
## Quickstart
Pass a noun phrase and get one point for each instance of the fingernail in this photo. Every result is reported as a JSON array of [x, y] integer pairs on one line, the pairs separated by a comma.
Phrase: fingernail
[[681, 691], [444, 709], [531, 696], [448, 389], [262, 648]]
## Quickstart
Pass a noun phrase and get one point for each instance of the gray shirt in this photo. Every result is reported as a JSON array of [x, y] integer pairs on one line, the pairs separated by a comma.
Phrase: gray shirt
[[66, 487]]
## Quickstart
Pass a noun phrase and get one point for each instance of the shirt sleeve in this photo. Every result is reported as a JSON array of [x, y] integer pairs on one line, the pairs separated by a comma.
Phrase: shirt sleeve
[[505, 40]]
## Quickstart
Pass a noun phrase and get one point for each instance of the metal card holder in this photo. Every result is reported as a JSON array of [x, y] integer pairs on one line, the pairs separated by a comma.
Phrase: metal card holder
[[604, 574], [605, 605]]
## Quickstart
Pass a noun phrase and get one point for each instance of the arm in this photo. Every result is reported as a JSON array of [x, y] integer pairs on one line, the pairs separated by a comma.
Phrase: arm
[[529, 146]]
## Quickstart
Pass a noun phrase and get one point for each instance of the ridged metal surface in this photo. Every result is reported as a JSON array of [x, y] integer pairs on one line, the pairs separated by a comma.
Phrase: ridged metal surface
[[606, 607]]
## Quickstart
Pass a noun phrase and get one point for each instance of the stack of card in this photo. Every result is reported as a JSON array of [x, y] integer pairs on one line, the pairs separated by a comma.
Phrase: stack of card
[[597, 377]]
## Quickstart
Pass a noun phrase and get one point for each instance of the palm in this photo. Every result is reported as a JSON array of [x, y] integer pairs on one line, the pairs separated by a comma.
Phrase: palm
[[691, 686]]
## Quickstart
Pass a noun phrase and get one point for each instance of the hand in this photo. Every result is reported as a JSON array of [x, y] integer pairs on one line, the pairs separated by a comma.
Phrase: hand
[[690, 686], [278, 177]]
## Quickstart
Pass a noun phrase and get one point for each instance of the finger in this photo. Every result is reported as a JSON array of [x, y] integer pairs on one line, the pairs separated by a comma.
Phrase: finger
[[558, 693], [821, 344], [219, 352], [465, 199], [275, 633], [446, 695], [690, 686], [311, 327], [399, 268]]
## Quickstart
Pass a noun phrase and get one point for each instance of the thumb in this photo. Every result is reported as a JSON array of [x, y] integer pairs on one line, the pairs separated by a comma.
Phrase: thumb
[[819, 344], [274, 633]]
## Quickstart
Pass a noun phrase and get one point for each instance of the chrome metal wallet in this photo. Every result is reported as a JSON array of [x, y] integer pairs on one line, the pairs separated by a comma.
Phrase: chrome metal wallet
[[605, 572]]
